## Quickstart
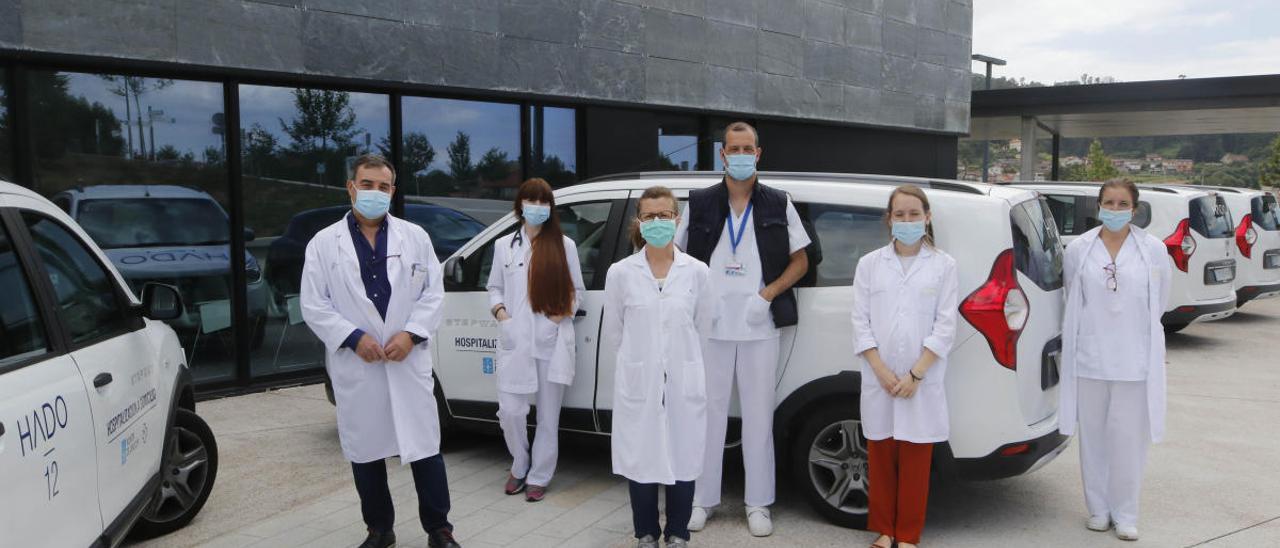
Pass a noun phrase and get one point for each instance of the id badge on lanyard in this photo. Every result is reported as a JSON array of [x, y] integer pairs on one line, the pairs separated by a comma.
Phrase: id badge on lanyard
[[734, 268]]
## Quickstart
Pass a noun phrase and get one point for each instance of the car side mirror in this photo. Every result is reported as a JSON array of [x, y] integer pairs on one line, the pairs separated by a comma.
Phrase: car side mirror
[[249, 235], [161, 301], [453, 270]]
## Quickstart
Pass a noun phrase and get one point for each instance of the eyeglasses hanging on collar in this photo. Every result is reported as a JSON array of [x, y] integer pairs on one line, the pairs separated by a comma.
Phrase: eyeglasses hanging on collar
[[1112, 283]]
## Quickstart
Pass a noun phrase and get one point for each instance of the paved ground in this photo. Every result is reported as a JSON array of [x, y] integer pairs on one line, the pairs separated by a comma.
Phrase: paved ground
[[1214, 482]]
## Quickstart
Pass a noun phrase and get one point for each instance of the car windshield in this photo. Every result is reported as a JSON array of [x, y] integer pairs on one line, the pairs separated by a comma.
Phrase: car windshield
[[1266, 212], [444, 224], [1210, 217], [1037, 249], [153, 222]]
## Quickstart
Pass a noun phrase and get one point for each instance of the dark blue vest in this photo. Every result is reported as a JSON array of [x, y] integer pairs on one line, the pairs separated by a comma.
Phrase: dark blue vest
[[708, 210]]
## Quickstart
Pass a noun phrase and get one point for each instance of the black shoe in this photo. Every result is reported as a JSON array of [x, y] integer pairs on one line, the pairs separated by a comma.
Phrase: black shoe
[[442, 538], [379, 540]]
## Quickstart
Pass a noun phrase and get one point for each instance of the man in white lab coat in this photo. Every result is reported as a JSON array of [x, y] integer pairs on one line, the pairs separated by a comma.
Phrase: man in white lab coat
[[371, 291], [752, 238]]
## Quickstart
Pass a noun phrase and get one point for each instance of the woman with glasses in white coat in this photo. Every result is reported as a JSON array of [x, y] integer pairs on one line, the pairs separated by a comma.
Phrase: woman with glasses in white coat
[[535, 285], [656, 304], [904, 321], [1113, 378]]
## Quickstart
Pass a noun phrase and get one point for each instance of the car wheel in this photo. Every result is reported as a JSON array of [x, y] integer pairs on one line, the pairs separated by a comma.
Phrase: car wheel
[[1171, 328], [188, 468], [829, 464]]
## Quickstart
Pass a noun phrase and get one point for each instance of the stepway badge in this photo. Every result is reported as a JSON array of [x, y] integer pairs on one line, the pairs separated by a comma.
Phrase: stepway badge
[[488, 365]]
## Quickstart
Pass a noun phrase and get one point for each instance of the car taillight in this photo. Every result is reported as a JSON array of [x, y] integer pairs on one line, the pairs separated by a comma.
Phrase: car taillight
[[1246, 236], [999, 310], [1181, 245]]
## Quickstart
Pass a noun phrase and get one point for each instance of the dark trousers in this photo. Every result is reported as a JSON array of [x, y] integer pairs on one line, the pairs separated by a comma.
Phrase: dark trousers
[[644, 509], [375, 497]]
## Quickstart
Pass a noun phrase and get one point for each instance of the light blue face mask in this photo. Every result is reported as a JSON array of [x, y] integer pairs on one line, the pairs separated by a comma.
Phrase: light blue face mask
[[372, 204], [535, 214], [740, 166], [1115, 220], [908, 232], [658, 232]]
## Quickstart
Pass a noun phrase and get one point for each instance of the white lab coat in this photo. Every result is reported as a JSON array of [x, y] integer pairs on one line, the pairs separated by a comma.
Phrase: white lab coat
[[1157, 262], [384, 408], [509, 285], [659, 390], [900, 314]]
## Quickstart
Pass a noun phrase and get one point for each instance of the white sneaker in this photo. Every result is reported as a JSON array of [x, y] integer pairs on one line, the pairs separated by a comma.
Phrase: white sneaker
[[1099, 523], [647, 542], [759, 521], [1127, 532], [698, 519]]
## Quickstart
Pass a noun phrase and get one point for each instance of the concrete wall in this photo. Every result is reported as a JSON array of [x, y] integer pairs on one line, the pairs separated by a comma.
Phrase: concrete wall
[[895, 63]]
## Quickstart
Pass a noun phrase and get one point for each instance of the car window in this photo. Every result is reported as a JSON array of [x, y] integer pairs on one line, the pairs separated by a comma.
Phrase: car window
[[1210, 217], [86, 294], [1266, 212], [444, 224], [585, 223], [1037, 249], [153, 222], [1141, 217], [844, 234], [22, 334], [1063, 208]]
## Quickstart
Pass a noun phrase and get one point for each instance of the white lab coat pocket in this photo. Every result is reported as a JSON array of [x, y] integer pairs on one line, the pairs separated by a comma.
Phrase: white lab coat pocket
[[506, 334], [695, 381], [757, 310], [630, 381]]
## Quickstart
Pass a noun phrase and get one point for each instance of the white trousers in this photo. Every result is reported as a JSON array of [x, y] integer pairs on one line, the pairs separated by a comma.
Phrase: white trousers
[[754, 364], [1115, 432], [513, 416]]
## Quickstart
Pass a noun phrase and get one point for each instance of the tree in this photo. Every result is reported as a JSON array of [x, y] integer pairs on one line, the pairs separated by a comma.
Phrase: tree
[[213, 156], [168, 152], [1100, 168], [1269, 171], [493, 166], [460, 158], [417, 153], [259, 148], [135, 87], [324, 116]]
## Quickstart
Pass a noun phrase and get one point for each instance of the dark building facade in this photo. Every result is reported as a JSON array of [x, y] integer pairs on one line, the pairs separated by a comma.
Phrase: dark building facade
[[203, 143]]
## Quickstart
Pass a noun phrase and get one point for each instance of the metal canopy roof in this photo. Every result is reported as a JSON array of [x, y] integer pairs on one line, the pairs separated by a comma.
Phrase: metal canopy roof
[[1236, 104]]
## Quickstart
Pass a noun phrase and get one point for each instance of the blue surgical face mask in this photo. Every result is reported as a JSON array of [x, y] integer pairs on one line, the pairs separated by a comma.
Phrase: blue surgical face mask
[[372, 204], [740, 167], [1115, 220], [535, 214], [908, 232], [658, 232]]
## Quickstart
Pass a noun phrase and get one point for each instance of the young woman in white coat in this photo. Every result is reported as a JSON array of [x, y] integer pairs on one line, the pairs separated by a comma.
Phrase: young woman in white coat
[[534, 286], [904, 321], [657, 302], [1113, 379]]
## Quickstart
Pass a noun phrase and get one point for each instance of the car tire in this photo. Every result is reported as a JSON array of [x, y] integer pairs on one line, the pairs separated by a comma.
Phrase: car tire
[[188, 469], [829, 463], [1171, 328]]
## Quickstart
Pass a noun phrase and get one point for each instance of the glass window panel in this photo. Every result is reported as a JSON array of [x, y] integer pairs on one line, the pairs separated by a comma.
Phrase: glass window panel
[[585, 223], [85, 291], [140, 163], [298, 145], [554, 146], [21, 330], [843, 234], [677, 143], [6, 137], [464, 155]]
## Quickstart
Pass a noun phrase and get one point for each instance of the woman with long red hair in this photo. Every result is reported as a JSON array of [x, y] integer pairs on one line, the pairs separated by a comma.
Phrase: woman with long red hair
[[535, 285]]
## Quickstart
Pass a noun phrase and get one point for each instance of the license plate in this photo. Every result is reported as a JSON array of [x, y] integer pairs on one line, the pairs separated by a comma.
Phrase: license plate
[[1272, 260], [1224, 275]]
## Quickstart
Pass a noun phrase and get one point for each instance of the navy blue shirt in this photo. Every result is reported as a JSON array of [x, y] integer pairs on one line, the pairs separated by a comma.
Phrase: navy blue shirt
[[373, 272]]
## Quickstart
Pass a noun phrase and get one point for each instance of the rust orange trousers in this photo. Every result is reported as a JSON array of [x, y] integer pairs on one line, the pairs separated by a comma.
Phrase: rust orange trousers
[[899, 478]]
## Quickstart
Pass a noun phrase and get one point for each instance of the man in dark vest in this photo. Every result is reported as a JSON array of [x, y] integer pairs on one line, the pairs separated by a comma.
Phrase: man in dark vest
[[751, 237]]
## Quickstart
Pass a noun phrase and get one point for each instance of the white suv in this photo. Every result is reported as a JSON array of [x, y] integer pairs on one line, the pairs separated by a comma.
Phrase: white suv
[[1195, 224], [1257, 237], [1002, 385], [98, 431]]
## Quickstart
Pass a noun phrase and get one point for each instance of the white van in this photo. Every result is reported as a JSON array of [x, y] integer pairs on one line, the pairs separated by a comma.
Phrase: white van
[[98, 430], [1257, 237], [1002, 384], [1195, 224]]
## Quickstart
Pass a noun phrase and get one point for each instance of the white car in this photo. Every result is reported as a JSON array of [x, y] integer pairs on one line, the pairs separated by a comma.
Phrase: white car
[[1002, 383], [1195, 224], [1257, 237], [98, 431]]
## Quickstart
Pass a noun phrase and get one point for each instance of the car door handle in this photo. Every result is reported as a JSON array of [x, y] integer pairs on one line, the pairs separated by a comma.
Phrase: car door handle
[[102, 380], [580, 314]]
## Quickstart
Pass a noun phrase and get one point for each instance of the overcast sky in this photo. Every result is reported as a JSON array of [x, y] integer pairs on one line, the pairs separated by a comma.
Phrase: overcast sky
[[1130, 40]]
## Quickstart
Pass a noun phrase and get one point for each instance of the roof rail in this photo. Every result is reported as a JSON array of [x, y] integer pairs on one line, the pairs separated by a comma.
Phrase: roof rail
[[891, 180]]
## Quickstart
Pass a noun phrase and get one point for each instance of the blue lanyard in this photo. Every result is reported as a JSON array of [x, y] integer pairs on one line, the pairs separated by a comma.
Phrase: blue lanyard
[[742, 228]]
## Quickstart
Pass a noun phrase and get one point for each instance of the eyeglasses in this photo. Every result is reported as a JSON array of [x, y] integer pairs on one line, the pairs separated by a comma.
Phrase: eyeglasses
[[664, 215], [1110, 269]]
